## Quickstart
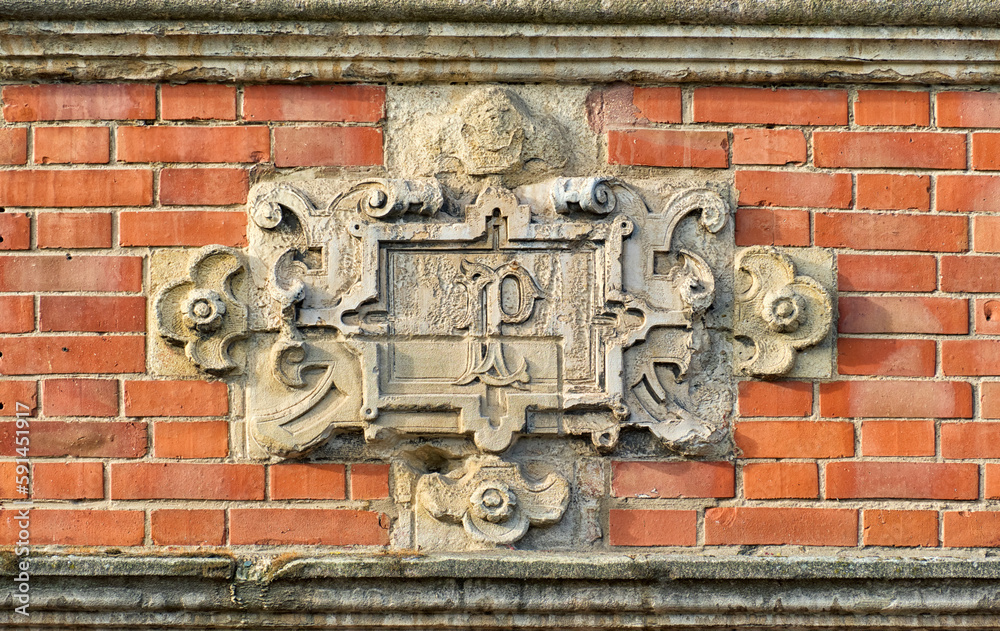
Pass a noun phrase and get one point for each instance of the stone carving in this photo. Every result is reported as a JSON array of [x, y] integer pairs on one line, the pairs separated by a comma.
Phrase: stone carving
[[778, 311], [493, 500]]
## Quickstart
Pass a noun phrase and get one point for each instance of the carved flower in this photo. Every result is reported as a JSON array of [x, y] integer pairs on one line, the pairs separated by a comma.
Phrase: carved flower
[[493, 501], [784, 310], [203, 310]]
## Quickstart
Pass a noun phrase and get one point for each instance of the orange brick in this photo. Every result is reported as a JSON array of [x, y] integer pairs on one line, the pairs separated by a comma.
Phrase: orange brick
[[986, 152], [277, 526], [657, 105], [176, 398], [968, 529], [970, 357], [198, 101], [369, 481], [768, 146], [897, 358], [76, 145], [897, 438], [895, 399], [191, 439], [868, 149], [193, 144], [900, 528], [17, 314], [74, 230], [14, 392], [13, 473], [68, 101], [78, 188], [77, 273], [653, 527], [84, 439], [894, 272], [772, 226], [979, 439], [883, 191], [780, 480], [903, 480], [68, 480], [776, 188], [969, 273], [991, 483], [15, 231], [990, 399], [80, 397], [72, 354], [794, 439], [781, 526], [903, 314], [892, 107], [14, 145], [182, 227], [986, 234], [103, 314], [865, 231], [987, 316], [188, 527], [185, 480], [309, 481], [204, 187], [348, 103], [766, 106], [775, 398], [669, 148], [72, 527], [968, 109], [968, 193], [327, 146], [672, 479]]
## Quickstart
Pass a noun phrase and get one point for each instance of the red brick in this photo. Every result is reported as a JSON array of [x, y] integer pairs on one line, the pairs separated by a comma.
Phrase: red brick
[[895, 399], [768, 146], [14, 392], [894, 272], [182, 227], [991, 482], [369, 481], [327, 146], [968, 109], [613, 106], [80, 397], [865, 231], [309, 481], [892, 107], [968, 193], [970, 440], [669, 148], [883, 191], [17, 314], [176, 398], [68, 101], [903, 314], [348, 103], [775, 398], [72, 354], [900, 528], [868, 149], [794, 439], [75, 145], [903, 480], [191, 439], [193, 144], [14, 145], [969, 273], [77, 188], [74, 230], [188, 527], [990, 399], [79, 273], [198, 101], [9, 488], [658, 105], [897, 438], [184, 480], [104, 314], [777, 188], [987, 316], [968, 529], [15, 231], [653, 527], [276, 526], [986, 152], [780, 480], [970, 357], [897, 358], [986, 234], [672, 479], [772, 226], [85, 439], [776, 107], [204, 187], [82, 527], [781, 526], [68, 480]]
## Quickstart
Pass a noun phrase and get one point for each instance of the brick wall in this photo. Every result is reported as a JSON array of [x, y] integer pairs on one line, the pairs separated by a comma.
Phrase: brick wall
[[900, 448]]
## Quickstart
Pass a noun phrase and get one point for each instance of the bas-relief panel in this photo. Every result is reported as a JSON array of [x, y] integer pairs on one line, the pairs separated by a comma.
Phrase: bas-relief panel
[[495, 284]]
